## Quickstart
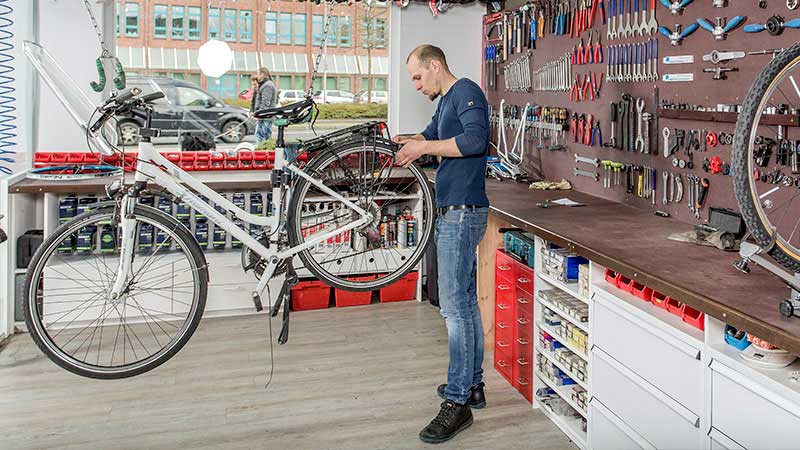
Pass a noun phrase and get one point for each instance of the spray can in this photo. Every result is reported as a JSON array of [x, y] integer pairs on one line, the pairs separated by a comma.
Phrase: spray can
[[359, 242], [392, 233], [384, 231], [402, 232], [412, 231]]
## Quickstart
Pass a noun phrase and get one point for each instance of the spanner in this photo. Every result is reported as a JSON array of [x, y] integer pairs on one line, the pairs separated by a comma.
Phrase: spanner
[[672, 187], [581, 159], [636, 56], [679, 187], [652, 25], [611, 33], [639, 138], [635, 24], [583, 173], [665, 200], [646, 118], [628, 29], [620, 27], [665, 134]]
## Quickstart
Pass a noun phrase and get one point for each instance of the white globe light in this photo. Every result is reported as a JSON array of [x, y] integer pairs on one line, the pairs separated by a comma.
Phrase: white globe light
[[215, 58]]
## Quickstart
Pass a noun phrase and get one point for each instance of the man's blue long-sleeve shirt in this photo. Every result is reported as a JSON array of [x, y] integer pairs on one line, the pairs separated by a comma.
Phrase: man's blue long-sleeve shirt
[[463, 114]]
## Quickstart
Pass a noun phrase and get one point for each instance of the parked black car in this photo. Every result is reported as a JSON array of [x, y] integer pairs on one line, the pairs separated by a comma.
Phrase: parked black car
[[185, 106]]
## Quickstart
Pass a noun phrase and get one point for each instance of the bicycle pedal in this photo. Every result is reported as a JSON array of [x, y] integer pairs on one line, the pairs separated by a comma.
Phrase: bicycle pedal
[[257, 302]]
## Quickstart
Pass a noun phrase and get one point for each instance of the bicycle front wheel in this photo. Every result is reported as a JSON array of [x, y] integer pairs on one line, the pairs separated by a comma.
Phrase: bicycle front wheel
[[400, 201], [765, 162], [71, 315]]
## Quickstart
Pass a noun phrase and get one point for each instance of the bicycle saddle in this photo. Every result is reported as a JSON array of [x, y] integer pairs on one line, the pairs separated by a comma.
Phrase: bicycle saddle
[[294, 112]]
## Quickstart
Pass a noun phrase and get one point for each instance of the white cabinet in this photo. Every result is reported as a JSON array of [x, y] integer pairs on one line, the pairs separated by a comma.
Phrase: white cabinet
[[719, 441], [609, 432]]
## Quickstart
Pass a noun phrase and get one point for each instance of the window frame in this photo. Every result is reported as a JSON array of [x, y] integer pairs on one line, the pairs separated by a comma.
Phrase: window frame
[[214, 14], [194, 12], [299, 29], [245, 18], [130, 7], [271, 16], [285, 37], [349, 22], [160, 32], [235, 17], [315, 41], [182, 16]]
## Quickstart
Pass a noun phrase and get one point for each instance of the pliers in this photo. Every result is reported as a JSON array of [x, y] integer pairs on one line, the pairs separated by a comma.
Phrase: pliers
[[597, 134]]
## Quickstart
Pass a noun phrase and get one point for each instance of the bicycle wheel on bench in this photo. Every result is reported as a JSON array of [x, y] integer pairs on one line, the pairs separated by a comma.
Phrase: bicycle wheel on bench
[[764, 168], [75, 322], [380, 252]]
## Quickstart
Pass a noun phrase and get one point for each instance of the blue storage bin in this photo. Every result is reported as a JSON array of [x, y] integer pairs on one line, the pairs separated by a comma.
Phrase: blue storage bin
[[741, 343], [520, 245]]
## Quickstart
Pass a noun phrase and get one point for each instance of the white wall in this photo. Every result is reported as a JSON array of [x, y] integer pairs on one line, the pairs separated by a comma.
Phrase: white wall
[[457, 32]]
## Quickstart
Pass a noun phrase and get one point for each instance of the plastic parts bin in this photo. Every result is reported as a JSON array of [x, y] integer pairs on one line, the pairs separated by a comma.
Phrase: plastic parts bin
[[310, 295], [401, 290]]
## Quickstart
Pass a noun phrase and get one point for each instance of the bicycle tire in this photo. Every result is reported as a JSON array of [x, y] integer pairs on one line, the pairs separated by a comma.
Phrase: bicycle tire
[[49, 248], [742, 160], [297, 197]]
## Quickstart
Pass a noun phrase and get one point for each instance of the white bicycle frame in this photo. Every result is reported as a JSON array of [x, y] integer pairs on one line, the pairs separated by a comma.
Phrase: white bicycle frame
[[512, 159], [154, 168]]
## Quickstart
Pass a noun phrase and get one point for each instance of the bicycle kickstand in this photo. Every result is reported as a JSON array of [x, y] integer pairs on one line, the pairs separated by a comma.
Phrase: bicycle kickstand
[[288, 283]]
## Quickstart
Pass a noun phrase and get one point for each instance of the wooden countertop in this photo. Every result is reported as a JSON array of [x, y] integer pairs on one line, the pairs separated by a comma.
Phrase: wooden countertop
[[634, 242]]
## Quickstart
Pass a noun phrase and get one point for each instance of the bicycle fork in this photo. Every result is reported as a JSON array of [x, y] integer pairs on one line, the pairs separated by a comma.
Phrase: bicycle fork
[[128, 226]]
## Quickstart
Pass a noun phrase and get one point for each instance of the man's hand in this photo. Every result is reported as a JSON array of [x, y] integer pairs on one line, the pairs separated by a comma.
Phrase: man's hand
[[411, 151]]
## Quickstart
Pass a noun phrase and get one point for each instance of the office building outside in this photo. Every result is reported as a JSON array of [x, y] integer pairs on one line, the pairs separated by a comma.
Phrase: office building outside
[[162, 38]]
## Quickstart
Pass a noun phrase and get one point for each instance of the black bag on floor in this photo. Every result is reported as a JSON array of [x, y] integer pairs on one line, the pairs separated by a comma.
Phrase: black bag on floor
[[197, 142]]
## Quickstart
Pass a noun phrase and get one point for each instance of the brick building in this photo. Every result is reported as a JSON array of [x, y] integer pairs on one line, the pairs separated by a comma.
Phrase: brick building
[[162, 38]]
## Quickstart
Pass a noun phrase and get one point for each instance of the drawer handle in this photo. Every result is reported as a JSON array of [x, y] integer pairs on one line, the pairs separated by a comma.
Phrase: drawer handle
[[523, 321], [502, 363], [522, 362], [504, 268], [502, 344], [754, 387], [522, 381], [601, 409], [522, 341], [503, 287], [727, 442], [502, 306], [502, 325], [665, 400], [522, 301], [524, 280]]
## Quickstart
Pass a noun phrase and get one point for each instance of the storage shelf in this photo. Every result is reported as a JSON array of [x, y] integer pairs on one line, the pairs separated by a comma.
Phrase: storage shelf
[[571, 427], [727, 117], [564, 342], [582, 325], [564, 392], [548, 355], [571, 288]]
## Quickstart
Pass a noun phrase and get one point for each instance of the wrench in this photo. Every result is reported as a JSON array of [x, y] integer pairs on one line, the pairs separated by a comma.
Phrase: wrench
[[581, 159], [639, 138], [665, 134], [628, 63], [628, 29], [646, 118], [672, 186], [665, 200], [621, 28], [655, 59], [636, 76], [611, 33], [679, 186], [652, 25], [635, 25], [583, 173]]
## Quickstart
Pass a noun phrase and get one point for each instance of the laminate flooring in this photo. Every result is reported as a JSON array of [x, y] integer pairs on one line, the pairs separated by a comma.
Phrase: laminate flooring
[[349, 378]]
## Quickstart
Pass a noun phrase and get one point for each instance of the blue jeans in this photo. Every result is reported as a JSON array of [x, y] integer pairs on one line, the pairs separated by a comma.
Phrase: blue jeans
[[263, 130], [457, 235]]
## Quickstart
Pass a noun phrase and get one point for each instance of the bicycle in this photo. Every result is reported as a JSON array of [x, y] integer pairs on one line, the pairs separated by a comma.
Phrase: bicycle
[[764, 167], [150, 298]]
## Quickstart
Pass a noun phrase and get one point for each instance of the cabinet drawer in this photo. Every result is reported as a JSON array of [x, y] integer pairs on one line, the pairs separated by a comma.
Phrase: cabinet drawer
[[504, 364], [504, 312], [719, 441], [751, 414], [667, 362], [505, 268], [524, 275], [656, 417], [522, 369], [523, 343], [609, 432], [523, 320], [504, 340], [524, 301]]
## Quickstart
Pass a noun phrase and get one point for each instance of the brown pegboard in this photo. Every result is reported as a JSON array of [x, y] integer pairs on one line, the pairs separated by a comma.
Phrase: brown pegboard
[[703, 90]]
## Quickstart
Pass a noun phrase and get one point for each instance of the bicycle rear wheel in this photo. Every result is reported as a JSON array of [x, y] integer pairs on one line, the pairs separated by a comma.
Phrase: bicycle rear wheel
[[765, 168], [75, 322], [376, 254]]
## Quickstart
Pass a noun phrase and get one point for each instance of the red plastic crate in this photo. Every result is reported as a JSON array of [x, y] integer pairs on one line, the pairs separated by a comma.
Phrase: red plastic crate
[[42, 157], [641, 291], [59, 157], [91, 158], [310, 295], [111, 160], [187, 165], [660, 300], [131, 159], [187, 156], [674, 306], [611, 277], [401, 290], [347, 298], [624, 283], [693, 317], [75, 157]]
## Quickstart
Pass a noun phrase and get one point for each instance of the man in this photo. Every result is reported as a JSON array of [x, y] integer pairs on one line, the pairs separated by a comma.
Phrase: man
[[264, 96], [459, 134]]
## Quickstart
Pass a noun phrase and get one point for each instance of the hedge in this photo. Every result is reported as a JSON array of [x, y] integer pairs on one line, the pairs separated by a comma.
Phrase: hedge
[[339, 111]]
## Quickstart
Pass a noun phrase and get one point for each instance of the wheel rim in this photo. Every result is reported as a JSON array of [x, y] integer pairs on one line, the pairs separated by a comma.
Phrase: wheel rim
[[763, 199], [338, 258], [77, 321], [233, 132], [128, 134]]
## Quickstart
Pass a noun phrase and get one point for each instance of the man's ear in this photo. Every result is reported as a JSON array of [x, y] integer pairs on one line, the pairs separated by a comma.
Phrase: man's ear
[[436, 66]]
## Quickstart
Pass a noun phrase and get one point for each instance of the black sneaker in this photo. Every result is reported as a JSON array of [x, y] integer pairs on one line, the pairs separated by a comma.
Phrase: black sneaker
[[476, 401], [451, 420]]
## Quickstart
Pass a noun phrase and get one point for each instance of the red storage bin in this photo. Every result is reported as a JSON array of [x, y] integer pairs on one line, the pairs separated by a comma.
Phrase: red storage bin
[[693, 317], [91, 158], [111, 160], [401, 290], [504, 365], [187, 157], [660, 300], [260, 160], [202, 161], [347, 298], [310, 295], [624, 283], [75, 157], [58, 158], [674, 306], [131, 158], [245, 159], [187, 165], [611, 277], [231, 160], [641, 291], [42, 157], [217, 161]]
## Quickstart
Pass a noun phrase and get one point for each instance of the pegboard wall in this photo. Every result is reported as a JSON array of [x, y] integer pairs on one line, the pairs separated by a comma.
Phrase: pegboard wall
[[704, 90]]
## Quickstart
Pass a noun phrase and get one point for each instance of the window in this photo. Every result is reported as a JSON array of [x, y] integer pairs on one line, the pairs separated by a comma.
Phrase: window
[[186, 96], [331, 83], [193, 78], [365, 84], [299, 29], [195, 25], [286, 28], [300, 83], [178, 75], [223, 87], [270, 28], [160, 21], [244, 82], [177, 22], [286, 83], [317, 84], [344, 84], [333, 31], [316, 29], [345, 31], [213, 23], [380, 84], [366, 32], [245, 25], [119, 16], [230, 25], [131, 19], [380, 33]]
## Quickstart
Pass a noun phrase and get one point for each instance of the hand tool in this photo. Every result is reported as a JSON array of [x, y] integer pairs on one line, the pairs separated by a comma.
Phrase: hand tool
[[774, 26], [609, 64], [721, 30], [677, 36], [719, 72], [672, 187], [652, 25], [653, 180], [587, 131], [628, 29], [635, 24], [597, 134], [792, 4], [588, 55], [717, 57], [611, 31], [620, 28], [774, 52], [643, 27], [665, 199], [665, 134], [655, 64], [675, 6], [621, 125], [636, 77], [628, 63], [583, 173], [677, 77], [646, 118], [701, 198], [631, 122], [679, 188], [598, 50], [613, 119], [639, 138], [581, 159], [642, 61]]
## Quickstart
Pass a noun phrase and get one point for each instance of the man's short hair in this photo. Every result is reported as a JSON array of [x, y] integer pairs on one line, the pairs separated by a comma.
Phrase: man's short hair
[[427, 53]]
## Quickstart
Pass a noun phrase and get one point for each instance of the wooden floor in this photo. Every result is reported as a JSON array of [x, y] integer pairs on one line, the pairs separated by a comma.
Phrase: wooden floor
[[349, 378]]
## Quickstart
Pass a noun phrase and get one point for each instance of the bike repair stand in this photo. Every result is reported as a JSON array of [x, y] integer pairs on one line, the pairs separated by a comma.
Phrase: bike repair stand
[[752, 253]]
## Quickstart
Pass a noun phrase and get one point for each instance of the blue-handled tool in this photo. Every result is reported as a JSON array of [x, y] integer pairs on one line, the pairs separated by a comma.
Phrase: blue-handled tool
[[678, 35], [774, 26], [721, 30], [676, 7]]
